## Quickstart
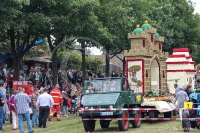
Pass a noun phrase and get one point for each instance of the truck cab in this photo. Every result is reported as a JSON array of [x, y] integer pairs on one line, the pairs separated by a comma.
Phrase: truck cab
[[105, 99]]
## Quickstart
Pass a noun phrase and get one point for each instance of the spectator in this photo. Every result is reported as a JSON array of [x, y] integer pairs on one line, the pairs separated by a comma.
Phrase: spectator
[[176, 88], [3, 93], [81, 98], [2, 75], [79, 78], [31, 91], [188, 90], [44, 103], [22, 102], [73, 102], [35, 115], [65, 103], [37, 76], [181, 97], [32, 76], [2, 102], [43, 78], [13, 110]]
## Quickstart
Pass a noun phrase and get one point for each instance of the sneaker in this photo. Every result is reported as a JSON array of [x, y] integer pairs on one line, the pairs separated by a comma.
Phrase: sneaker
[[49, 119], [31, 132], [65, 115], [58, 119]]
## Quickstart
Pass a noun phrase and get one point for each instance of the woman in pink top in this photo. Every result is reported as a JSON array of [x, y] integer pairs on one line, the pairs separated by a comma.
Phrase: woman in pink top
[[13, 110]]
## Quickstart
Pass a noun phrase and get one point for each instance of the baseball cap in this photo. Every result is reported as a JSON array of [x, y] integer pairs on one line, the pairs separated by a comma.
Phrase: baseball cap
[[45, 89]]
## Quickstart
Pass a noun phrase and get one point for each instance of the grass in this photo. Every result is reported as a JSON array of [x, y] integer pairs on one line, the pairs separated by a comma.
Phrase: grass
[[72, 124]]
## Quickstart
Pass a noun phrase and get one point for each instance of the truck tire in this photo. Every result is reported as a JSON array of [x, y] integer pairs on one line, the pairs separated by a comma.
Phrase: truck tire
[[167, 114], [124, 123], [104, 123], [153, 114], [136, 123], [89, 125]]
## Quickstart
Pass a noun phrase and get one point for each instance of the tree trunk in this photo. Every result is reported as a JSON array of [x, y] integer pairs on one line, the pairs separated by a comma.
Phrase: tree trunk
[[16, 63], [107, 64], [54, 67], [83, 61]]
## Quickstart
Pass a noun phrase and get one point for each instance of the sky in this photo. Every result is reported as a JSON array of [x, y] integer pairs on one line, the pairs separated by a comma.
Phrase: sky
[[96, 51], [197, 7]]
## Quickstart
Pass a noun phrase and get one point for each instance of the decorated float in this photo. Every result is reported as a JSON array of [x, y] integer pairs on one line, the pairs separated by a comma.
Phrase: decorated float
[[146, 70], [180, 69]]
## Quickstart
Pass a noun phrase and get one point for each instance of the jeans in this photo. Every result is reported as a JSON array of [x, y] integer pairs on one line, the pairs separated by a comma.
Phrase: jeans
[[43, 115], [65, 110], [21, 118], [35, 117], [1, 118]]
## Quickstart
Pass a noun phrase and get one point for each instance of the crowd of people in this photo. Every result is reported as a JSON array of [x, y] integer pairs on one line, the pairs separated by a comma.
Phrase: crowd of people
[[65, 97]]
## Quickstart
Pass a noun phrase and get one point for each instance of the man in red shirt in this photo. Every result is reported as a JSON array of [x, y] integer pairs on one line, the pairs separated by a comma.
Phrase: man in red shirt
[[58, 101]]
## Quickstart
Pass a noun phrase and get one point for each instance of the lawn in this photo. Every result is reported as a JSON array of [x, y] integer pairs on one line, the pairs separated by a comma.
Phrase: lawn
[[72, 124]]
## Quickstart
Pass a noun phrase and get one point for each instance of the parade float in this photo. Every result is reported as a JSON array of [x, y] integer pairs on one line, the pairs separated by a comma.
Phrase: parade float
[[180, 69], [146, 70]]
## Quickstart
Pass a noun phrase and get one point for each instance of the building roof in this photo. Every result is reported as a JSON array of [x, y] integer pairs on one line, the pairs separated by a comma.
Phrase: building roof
[[116, 61], [38, 59]]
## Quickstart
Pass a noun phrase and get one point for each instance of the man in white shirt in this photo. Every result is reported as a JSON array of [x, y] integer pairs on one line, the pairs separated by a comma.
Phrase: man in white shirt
[[44, 103]]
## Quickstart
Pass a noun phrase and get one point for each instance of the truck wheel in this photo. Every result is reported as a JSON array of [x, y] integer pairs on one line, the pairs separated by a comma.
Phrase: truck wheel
[[104, 123], [186, 125], [137, 122], [124, 123], [153, 114], [167, 114], [89, 125]]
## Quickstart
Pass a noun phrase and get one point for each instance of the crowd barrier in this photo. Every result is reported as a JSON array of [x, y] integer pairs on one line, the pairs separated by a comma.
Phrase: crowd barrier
[[149, 119], [142, 109], [24, 84]]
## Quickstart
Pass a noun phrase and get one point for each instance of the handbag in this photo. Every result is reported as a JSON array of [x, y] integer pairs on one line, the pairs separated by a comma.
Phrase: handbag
[[30, 111], [73, 101]]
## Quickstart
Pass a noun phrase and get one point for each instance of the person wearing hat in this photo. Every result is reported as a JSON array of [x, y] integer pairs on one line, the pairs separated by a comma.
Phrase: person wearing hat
[[58, 101], [44, 103]]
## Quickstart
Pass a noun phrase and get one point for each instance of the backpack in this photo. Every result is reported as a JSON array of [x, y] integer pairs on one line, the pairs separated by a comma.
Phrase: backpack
[[32, 76]]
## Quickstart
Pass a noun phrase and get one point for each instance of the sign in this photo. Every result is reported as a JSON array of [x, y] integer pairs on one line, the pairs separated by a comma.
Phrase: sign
[[106, 113], [25, 67], [187, 105], [139, 98], [19, 82]]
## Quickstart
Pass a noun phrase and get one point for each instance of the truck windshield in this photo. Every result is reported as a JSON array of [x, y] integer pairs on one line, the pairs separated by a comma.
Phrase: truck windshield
[[102, 85]]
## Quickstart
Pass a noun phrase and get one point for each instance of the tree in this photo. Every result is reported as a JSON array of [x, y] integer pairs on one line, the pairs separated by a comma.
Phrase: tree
[[119, 21], [71, 60], [20, 29], [94, 64]]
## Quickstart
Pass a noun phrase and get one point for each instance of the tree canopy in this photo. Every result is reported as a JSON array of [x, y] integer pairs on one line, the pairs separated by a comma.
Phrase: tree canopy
[[23, 22]]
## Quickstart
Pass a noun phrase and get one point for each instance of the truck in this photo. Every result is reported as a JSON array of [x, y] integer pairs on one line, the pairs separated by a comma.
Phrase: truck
[[106, 99]]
